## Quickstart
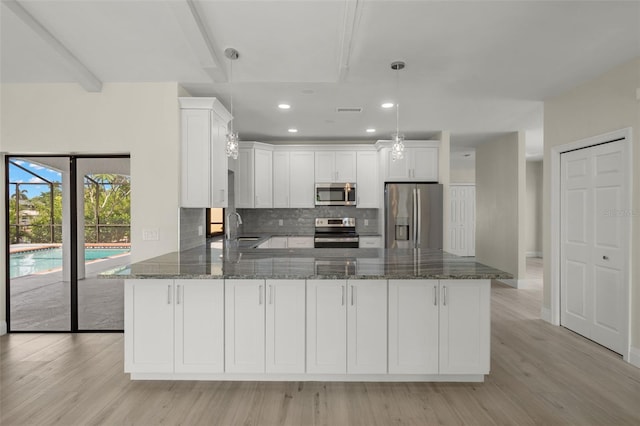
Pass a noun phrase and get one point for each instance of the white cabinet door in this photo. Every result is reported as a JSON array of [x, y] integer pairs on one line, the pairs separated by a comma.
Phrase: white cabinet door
[[368, 187], [301, 179], [199, 326], [263, 178], [465, 326], [244, 326], [324, 166], [219, 162], [370, 242], [413, 326], [367, 327], [300, 242], [285, 331], [148, 326], [326, 326], [397, 169], [424, 162], [345, 166], [244, 195], [196, 136], [280, 179]]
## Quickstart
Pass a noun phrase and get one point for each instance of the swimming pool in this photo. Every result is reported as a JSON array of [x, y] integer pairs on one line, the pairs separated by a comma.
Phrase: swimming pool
[[35, 261]]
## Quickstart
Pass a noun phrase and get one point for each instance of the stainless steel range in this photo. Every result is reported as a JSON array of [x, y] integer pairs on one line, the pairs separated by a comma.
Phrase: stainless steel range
[[336, 233]]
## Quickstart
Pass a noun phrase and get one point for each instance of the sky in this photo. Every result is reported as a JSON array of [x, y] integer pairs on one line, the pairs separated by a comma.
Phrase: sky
[[18, 175]]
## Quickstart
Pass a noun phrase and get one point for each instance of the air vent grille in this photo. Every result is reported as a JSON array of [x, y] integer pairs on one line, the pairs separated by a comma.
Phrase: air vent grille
[[349, 109]]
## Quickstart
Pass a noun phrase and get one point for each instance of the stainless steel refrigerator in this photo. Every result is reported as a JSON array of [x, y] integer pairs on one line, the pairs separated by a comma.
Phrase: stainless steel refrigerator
[[413, 215]]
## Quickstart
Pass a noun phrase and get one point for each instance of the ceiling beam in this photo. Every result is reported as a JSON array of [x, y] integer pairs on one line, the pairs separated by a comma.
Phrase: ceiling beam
[[82, 74], [195, 31], [352, 14]]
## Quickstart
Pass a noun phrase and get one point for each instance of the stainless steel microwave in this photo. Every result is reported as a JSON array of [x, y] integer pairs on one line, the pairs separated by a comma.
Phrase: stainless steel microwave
[[336, 194]]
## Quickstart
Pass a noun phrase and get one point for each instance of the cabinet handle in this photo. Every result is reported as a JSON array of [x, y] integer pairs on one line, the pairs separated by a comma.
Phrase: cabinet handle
[[169, 294], [435, 295], [342, 293], [444, 295], [178, 295], [270, 294]]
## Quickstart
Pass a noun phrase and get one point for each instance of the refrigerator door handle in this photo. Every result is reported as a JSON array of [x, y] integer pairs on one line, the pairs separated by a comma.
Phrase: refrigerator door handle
[[418, 218], [415, 217]]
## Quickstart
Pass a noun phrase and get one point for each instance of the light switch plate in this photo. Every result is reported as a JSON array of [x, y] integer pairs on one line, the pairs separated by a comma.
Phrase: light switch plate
[[280, 222], [200, 230], [366, 222], [151, 234]]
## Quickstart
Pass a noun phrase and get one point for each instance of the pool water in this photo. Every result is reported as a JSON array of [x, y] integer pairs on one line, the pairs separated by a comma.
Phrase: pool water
[[32, 262]]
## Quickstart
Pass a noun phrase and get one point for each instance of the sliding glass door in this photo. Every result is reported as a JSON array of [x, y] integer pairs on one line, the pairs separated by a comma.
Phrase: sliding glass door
[[68, 221]]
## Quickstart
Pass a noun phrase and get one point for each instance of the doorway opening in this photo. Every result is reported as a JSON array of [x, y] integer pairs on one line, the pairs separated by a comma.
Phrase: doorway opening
[[68, 221]]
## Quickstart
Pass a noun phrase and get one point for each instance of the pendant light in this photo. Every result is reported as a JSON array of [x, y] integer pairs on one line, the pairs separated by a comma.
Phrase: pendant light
[[397, 149], [232, 137]]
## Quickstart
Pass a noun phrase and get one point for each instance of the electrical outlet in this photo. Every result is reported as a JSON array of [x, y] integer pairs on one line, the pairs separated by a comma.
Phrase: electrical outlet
[[366, 222], [280, 222], [151, 234], [200, 230]]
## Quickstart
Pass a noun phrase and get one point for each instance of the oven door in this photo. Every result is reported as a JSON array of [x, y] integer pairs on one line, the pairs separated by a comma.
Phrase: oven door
[[336, 242]]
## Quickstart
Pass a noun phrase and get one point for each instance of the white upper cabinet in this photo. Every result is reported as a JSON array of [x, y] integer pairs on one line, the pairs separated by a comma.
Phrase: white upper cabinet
[[335, 166], [203, 160], [301, 179], [367, 185], [254, 178], [280, 179], [418, 164]]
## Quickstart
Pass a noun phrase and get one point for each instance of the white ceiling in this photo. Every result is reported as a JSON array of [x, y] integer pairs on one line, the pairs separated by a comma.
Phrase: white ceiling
[[475, 68]]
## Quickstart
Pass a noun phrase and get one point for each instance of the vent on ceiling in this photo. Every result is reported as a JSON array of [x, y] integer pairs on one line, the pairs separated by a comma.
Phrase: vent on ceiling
[[349, 109]]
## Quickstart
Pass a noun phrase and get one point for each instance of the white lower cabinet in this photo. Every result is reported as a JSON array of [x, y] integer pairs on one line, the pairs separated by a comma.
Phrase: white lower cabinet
[[367, 327], [326, 326], [285, 333], [173, 327], [413, 326], [465, 326], [244, 326], [439, 327], [347, 326], [199, 326]]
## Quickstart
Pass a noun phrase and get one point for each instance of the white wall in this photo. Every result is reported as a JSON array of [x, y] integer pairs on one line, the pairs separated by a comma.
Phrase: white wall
[[534, 209], [139, 119], [463, 169], [606, 103], [500, 204]]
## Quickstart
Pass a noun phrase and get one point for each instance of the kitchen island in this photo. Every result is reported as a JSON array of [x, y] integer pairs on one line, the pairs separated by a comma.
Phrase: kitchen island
[[308, 314]]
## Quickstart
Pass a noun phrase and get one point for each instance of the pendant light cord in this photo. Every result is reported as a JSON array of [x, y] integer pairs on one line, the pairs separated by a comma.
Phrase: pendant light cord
[[398, 101], [231, 91]]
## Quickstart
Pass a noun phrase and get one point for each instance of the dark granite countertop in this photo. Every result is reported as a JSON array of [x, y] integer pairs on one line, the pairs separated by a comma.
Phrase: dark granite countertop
[[313, 263]]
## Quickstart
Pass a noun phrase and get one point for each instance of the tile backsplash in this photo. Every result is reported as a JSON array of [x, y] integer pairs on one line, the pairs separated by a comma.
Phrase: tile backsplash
[[302, 221]]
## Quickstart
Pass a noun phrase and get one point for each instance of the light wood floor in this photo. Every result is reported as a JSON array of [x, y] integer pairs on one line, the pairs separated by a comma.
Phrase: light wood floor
[[541, 374]]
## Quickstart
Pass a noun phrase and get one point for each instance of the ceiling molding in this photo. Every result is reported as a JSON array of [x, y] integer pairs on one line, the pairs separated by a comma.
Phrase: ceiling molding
[[352, 14], [196, 34], [82, 74]]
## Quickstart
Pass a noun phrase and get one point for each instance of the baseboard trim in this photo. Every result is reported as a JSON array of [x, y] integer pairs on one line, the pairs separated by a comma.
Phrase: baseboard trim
[[3, 327], [634, 356], [545, 314], [534, 254], [511, 283]]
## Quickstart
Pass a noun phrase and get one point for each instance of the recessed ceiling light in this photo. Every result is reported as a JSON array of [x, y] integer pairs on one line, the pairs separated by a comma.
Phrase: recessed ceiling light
[[284, 106], [371, 130], [293, 130], [387, 105]]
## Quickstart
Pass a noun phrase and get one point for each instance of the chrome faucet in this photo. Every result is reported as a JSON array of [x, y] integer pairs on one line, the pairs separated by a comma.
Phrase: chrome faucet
[[238, 223]]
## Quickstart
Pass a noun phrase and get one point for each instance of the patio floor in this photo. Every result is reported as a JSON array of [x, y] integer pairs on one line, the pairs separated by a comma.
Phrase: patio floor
[[41, 302]]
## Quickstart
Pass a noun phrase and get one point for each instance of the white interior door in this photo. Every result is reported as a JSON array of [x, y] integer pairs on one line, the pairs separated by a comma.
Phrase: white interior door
[[462, 223], [595, 228]]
